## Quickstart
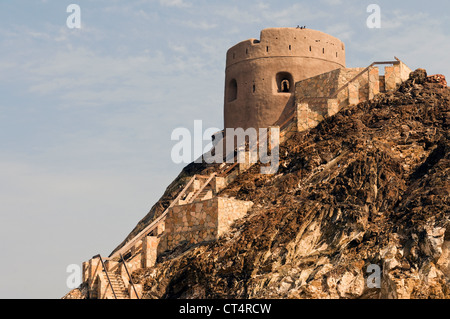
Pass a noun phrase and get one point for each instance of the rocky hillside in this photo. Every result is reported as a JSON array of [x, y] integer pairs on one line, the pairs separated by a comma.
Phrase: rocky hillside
[[368, 186]]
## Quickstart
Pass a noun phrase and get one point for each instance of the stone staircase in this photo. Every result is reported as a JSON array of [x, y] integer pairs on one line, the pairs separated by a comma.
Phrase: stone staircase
[[204, 194], [118, 285], [108, 279], [200, 189]]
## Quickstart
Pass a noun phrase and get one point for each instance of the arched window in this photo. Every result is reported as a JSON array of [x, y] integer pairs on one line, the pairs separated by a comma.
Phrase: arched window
[[285, 86], [232, 90], [285, 82]]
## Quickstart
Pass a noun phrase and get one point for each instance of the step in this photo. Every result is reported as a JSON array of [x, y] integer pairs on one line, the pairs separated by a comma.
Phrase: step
[[189, 196], [204, 193], [120, 290], [118, 285]]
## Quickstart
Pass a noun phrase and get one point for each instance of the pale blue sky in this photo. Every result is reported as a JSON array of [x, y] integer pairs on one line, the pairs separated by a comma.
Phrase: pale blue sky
[[86, 114]]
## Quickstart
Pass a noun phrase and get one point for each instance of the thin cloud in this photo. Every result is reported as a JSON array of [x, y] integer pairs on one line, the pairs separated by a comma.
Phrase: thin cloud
[[175, 3], [201, 25]]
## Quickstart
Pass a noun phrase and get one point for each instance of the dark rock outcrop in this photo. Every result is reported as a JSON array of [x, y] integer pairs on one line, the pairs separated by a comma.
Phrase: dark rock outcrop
[[368, 186]]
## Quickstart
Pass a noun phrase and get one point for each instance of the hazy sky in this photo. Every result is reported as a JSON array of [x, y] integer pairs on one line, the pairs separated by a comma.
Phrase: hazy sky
[[86, 114]]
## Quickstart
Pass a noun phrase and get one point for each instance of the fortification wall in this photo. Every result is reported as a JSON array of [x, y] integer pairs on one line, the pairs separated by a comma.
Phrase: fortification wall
[[261, 74], [322, 96], [326, 94], [395, 75], [200, 221]]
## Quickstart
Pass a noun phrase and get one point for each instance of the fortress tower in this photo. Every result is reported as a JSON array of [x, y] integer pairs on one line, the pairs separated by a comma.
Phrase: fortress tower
[[260, 75]]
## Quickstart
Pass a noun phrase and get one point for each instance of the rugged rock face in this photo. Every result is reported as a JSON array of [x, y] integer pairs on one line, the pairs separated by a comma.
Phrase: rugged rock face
[[368, 186]]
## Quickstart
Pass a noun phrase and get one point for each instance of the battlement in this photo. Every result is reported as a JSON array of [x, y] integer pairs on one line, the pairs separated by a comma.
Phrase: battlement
[[326, 94], [288, 42]]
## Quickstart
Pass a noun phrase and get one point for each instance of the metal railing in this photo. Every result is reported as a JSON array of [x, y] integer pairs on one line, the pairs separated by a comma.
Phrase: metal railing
[[360, 74], [107, 275], [202, 187], [154, 224], [129, 276]]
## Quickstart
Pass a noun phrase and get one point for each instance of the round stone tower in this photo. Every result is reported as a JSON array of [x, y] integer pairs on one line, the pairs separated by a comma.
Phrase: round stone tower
[[260, 75]]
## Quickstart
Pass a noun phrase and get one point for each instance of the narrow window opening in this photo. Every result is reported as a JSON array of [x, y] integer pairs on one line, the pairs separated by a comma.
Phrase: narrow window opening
[[309, 48], [285, 86], [285, 82], [323, 50], [336, 55], [290, 47], [232, 90], [267, 49], [246, 51], [254, 88]]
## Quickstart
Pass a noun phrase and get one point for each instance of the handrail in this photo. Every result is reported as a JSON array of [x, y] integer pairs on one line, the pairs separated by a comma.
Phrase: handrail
[[129, 276], [287, 121], [281, 126], [228, 169], [155, 223], [182, 192], [202, 187], [107, 276], [359, 74], [141, 234]]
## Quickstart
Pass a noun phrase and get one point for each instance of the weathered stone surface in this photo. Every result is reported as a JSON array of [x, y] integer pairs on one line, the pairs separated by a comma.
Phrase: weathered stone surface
[[200, 221], [78, 293]]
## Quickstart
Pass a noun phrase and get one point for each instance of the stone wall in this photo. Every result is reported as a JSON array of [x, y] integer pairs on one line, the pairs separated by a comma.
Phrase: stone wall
[[317, 90], [323, 85], [395, 75], [326, 94], [200, 221]]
